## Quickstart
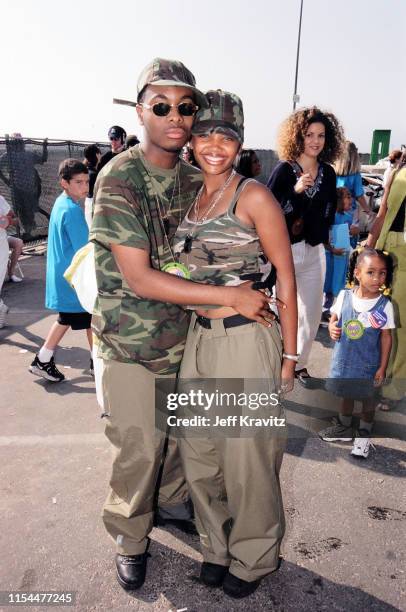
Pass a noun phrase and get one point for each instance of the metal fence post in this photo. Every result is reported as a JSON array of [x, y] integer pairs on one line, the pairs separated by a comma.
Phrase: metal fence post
[[12, 182]]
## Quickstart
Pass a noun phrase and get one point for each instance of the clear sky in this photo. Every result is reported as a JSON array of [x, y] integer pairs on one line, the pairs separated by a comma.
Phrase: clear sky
[[63, 62]]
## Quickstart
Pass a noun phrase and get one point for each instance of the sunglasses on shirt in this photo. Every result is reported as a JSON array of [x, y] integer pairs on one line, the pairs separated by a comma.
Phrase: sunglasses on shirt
[[162, 109]]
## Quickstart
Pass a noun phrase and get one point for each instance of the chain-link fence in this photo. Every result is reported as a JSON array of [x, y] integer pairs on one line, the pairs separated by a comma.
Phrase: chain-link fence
[[29, 178]]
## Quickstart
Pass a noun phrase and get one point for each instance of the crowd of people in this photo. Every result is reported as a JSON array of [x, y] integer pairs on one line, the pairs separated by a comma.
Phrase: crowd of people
[[178, 243]]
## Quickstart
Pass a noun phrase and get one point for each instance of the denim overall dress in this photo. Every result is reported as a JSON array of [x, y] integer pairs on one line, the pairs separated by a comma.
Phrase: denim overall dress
[[357, 354]]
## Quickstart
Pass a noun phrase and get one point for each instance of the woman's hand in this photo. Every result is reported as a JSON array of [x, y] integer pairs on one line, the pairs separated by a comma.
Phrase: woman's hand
[[287, 375], [337, 251], [304, 183]]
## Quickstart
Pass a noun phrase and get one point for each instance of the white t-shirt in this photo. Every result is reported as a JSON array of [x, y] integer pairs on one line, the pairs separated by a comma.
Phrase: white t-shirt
[[362, 305], [4, 210]]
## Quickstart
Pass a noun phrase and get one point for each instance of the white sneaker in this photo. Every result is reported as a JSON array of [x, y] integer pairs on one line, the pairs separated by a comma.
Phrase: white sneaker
[[362, 445], [3, 312], [15, 279]]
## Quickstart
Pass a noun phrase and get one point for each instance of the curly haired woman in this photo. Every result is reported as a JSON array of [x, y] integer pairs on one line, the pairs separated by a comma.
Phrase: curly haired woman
[[305, 185]]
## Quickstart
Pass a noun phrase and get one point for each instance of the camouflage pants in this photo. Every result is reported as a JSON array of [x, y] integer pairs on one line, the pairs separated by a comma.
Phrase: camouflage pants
[[128, 399]]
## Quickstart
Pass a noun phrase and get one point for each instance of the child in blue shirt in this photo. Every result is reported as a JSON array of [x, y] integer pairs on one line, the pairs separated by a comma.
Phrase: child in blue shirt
[[361, 323], [337, 258], [67, 233]]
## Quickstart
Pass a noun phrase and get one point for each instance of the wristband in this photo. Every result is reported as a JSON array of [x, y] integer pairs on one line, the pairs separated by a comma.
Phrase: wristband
[[291, 357]]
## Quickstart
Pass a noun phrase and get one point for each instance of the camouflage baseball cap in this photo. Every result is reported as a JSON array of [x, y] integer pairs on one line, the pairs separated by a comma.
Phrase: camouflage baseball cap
[[224, 114], [169, 73]]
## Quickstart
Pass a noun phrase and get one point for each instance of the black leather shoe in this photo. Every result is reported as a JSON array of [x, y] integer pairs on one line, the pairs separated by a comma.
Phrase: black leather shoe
[[183, 525], [238, 588], [212, 574], [131, 570]]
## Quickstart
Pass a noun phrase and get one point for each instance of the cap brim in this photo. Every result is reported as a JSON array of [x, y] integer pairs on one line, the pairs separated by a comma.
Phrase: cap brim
[[201, 99], [211, 125]]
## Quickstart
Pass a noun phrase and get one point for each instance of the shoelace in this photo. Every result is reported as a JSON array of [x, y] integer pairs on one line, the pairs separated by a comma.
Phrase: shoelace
[[51, 368], [134, 560]]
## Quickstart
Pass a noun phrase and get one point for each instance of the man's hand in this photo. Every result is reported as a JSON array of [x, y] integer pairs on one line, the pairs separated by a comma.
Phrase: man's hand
[[354, 230], [334, 330], [252, 304], [304, 183], [337, 251]]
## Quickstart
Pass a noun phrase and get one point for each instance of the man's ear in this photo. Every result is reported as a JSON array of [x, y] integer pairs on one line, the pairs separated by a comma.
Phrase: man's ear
[[140, 113], [64, 183]]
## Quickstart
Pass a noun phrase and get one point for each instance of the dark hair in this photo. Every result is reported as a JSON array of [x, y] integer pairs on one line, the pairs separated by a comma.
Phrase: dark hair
[[69, 167], [192, 158], [341, 191], [294, 128], [360, 254], [131, 141], [90, 154], [245, 164]]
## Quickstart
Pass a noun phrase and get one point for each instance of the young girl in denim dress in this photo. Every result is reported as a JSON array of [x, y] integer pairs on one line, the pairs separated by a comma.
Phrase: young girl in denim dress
[[360, 325]]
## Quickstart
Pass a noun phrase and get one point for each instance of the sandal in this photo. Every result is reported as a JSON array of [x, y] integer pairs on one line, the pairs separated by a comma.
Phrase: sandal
[[386, 405], [303, 373], [309, 382]]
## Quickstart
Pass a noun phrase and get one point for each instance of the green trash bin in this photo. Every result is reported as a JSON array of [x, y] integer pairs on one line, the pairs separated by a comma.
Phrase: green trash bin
[[380, 145]]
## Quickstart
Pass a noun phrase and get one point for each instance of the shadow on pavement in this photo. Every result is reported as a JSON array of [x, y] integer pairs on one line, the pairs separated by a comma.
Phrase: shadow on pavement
[[292, 588]]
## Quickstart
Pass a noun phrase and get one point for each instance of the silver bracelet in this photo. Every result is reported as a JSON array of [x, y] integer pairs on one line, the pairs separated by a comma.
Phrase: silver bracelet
[[291, 357]]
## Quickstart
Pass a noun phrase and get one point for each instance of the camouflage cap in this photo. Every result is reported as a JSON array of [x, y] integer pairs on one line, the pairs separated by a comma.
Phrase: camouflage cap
[[224, 114], [167, 72]]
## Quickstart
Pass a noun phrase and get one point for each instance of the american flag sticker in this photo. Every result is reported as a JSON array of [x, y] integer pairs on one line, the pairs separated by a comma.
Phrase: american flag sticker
[[377, 319]]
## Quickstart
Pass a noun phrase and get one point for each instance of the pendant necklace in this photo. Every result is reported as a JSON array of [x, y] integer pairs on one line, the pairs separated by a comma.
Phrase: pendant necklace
[[187, 246], [172, 267]]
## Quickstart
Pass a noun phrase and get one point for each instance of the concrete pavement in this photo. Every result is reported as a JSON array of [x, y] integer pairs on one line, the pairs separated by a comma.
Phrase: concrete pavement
[[345, 542]]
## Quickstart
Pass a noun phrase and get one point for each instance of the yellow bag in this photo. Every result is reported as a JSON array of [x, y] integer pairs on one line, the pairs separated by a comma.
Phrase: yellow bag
[[81, 275]]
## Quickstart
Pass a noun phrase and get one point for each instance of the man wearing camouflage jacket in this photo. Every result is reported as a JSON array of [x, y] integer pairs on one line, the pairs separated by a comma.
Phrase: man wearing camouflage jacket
[[140, 329]]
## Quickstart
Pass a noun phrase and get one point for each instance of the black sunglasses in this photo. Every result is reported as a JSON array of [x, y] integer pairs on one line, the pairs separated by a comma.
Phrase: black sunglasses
[[162, 109]]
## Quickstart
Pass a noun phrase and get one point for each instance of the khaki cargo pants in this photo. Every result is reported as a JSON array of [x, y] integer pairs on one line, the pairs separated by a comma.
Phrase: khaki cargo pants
[[129, 401], [234, 481]]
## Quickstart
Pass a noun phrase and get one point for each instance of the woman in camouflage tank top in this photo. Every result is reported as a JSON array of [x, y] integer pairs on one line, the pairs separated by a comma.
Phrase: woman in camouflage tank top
[[233, 472]]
